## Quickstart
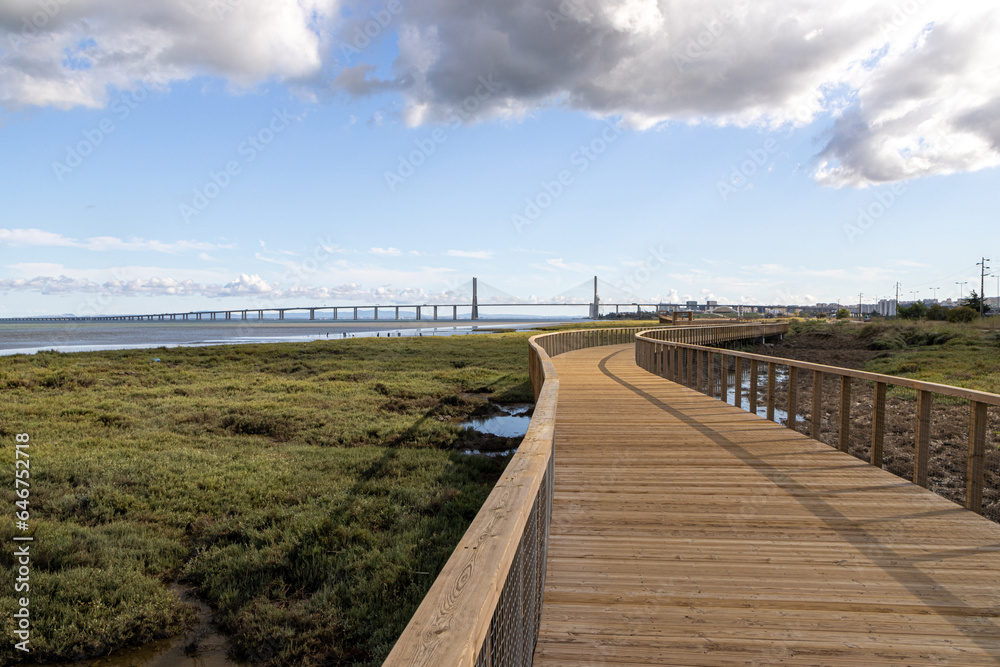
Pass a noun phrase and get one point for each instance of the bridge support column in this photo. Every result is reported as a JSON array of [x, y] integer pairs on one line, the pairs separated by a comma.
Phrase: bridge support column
[[355, 312], [397, 312], [418, 312], [435, 312], [312, 313], [475, 299], [244, 314], [454, 312], [376, 312], [281, 314]]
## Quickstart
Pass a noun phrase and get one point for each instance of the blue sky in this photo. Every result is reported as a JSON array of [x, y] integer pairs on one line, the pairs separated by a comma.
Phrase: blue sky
[[252, 159]]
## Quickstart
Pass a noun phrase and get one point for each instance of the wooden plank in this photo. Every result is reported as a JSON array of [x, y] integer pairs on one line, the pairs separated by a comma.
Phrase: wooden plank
[[921, 446], [878, 425], [977, 453], [702, 535], [753, 386]]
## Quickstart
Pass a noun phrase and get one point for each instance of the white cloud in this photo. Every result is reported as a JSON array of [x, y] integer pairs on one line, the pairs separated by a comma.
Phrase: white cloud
[[392, 252], [248, 286], [913, 86], [38, 237], [470, 254], [76, 52]]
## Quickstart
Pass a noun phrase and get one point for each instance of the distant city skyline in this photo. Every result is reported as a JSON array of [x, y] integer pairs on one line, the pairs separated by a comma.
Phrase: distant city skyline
[[209, 154]]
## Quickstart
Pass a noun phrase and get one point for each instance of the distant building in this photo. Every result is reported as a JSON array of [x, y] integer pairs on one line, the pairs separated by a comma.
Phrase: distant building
[[712, 304], [886, 307], [692, 304]]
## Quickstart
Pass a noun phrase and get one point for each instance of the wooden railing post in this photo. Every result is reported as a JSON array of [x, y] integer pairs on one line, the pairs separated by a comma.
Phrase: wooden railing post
[[702, 372], [921, 449], [793, 397], [817, 407], [738, 383], [771, 380], [753, 386], [710, 369], [977, 452], [844, 436], [878, 425], [723, 377]]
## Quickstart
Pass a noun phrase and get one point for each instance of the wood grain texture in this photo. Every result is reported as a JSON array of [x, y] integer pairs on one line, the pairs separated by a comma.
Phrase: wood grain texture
[[688, 532]]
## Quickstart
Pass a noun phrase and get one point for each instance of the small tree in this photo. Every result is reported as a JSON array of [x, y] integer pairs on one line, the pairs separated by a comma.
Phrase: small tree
[[974, 301], [937, 312], [915, 311], [962, 314], [843, 314]]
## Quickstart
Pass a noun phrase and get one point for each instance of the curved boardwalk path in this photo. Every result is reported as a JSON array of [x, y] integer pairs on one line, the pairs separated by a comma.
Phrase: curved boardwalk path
[[688, 532]]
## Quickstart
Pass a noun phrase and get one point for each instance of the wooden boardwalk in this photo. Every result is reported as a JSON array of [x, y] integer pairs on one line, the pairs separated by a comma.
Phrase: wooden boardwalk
[[688, 532]]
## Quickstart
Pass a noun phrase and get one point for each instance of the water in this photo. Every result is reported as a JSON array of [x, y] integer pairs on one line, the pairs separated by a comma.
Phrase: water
[[31, 338], [201, 646], [512, 424], [780, 416]]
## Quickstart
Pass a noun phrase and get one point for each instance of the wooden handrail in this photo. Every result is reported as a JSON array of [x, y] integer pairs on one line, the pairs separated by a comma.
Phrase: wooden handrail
[[650, 345], [484, 607]]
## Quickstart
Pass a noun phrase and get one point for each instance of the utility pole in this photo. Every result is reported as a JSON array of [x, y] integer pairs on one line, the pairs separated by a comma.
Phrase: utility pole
[[982, 286], [860, 314], [896, 309]]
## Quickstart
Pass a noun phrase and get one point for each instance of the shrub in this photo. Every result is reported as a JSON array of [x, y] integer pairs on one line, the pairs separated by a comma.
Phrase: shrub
[[962, 314], [915, 311], [937, 312], [843, 314]]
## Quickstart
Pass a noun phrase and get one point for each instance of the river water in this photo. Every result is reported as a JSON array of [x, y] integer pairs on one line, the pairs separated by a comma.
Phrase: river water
[[29, 338]]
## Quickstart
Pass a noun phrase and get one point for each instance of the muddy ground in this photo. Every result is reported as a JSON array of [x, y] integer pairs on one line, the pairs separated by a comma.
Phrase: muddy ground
[[949, 418]]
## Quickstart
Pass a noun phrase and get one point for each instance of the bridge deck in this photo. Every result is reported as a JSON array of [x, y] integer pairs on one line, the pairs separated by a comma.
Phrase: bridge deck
[[688, 532]]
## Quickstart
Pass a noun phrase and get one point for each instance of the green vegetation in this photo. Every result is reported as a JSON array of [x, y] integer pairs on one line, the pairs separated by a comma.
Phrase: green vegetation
[[309, 492], [962, 355], [843, 314]]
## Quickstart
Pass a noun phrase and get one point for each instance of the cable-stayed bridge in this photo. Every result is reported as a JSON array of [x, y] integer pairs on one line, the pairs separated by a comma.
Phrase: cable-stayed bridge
[[467, 301]]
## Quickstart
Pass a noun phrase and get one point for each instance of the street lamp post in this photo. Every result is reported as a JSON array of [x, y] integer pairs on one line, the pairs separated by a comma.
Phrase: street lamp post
[[961, 285]]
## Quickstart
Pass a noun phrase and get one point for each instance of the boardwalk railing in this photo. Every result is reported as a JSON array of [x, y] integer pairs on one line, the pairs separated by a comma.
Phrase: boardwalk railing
[[484, 607], [723, 374]]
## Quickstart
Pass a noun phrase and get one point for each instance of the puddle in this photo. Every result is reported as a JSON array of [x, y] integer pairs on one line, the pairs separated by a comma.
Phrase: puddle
[[202, 646], [512, 424], [780, 416], [476, 452]]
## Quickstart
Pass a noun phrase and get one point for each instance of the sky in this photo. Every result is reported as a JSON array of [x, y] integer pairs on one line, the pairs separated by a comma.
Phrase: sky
[[176, 155]]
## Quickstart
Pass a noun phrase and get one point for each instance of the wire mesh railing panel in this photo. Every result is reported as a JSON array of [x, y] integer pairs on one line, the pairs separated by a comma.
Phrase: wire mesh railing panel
[[513, 629]]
